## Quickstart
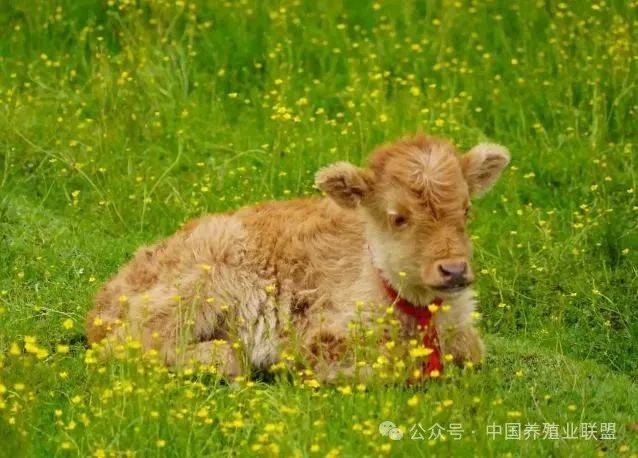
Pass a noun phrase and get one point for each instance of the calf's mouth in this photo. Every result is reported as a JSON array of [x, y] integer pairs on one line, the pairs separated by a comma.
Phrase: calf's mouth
[[457, 288]]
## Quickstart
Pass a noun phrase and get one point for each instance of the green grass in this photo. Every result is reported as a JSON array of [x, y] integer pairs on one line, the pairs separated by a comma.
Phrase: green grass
[[120, 120]]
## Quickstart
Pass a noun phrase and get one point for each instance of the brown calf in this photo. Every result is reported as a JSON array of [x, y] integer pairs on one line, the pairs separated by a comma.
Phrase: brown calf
[[260, 273]]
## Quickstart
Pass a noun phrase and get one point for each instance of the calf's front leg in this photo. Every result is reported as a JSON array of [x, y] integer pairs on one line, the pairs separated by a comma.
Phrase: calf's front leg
[[332, 358], [464, 344]]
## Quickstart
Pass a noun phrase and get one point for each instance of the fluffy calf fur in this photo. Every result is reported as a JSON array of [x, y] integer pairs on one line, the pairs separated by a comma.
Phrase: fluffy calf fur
[[263, 273]]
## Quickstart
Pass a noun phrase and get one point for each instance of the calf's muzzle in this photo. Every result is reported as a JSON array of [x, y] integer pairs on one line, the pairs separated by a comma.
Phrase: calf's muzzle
[[453, 274]]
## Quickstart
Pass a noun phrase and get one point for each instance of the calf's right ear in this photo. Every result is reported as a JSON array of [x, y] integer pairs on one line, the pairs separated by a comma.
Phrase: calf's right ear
[[346, 184]]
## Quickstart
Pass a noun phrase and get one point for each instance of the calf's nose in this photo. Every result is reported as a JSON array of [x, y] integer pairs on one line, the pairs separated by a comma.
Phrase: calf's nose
[[454, 273]]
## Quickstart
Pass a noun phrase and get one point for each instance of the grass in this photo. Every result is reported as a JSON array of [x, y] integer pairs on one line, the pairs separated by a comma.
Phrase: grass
[[120, 120]]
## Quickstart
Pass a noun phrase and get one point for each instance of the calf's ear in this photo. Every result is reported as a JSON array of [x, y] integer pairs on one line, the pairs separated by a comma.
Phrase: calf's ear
[[344, 183], [482, 166]]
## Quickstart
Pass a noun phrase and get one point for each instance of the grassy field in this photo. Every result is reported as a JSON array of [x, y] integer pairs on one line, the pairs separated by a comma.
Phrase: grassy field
[[121, 119]]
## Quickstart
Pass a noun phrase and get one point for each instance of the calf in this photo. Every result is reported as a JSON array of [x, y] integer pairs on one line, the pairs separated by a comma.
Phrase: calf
[[232, 289]]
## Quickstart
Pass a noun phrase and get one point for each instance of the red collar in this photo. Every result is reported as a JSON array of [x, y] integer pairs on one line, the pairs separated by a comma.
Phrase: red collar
[[423, 316]]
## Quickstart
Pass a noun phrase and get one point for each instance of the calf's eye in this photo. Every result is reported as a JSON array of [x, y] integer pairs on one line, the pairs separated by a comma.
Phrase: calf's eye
[[398, 220]]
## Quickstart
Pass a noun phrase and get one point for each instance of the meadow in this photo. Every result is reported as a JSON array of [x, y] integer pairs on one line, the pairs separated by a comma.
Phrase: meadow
[[122, 119]]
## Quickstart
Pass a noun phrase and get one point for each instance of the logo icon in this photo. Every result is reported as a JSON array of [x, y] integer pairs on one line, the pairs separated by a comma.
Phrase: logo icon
[[389, 429]]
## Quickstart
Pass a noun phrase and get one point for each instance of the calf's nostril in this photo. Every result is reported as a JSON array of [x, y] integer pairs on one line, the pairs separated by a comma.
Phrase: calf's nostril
[[444, 271], [455, 269], [454, 273]]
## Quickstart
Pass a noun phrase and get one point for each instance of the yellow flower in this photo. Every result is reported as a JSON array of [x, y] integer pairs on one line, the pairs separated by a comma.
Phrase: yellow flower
[[89, 357], [62, 349], [448, 403], [14, 349], [67, 324], [434, 373], [413, 401], [345, 390], [237, 423], [42, 353], [420, 351], [314, 448], [30, 346], [160, 443]]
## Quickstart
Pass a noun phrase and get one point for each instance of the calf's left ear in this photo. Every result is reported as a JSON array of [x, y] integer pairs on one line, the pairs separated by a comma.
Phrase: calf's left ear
[[346, 184], [482, 166]]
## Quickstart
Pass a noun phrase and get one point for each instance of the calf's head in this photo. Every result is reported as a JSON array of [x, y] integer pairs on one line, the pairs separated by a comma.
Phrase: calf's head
[[414, 197]]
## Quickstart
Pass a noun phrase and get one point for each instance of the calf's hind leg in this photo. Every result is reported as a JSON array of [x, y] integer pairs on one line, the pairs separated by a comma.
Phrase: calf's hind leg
[[217, 353]]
